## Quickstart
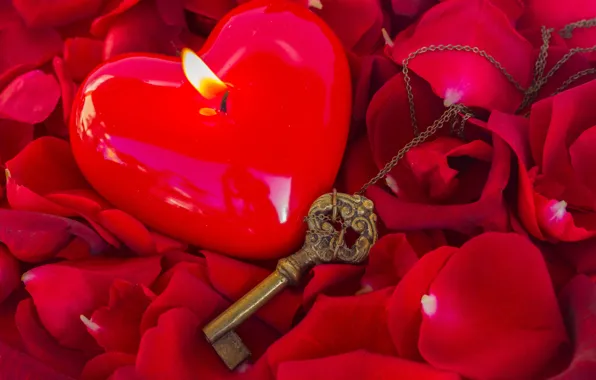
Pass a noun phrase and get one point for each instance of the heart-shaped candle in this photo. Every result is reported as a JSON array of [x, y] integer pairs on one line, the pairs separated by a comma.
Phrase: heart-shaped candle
[[229, 155]]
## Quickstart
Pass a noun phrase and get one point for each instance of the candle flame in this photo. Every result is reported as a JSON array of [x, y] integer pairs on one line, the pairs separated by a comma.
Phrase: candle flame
[[200, 75]]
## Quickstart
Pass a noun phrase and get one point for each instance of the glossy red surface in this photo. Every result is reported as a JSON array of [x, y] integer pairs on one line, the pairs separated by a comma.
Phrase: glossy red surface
[[239, 182]]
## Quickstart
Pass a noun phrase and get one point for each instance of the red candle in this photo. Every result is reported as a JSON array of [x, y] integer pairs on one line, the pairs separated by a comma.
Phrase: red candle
[[230, 153]]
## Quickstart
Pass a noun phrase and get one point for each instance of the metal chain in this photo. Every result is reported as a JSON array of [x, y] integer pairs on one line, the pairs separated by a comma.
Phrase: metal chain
[[442, 48], [567, 31], [451, 113]]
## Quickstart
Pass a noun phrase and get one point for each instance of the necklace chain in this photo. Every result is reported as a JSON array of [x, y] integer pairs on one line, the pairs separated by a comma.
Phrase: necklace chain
[[458, 110]]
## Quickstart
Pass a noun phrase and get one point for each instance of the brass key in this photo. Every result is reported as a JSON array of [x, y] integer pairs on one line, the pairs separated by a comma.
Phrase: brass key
[[324, 244]]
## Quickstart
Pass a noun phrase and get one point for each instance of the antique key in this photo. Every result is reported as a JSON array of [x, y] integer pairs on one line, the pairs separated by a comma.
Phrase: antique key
[[323, 244]]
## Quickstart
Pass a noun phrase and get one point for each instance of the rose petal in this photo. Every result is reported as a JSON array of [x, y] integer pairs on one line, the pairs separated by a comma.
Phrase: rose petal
[[110, 11], [369, 74], [358, 166], [411, 8], [233, 279], [186, 289], [8, 15], [334, 326], [25, 49], [389, 261], [42, 345], [388, 117], [129, 230], [16, 365], [577, 304], [81, 55], [63, 292], [103, 366], [360, 365], [126, 373], [35, 237], [488, 212], [9, 274], [182, 353], [141, 29], [67, 87], [211, 9], [115, 327], [30, 98], [172, 12], [40, 13], [404, 307], [14, 136], [467, 331], [466, 77], [332, 280], [352, 20]]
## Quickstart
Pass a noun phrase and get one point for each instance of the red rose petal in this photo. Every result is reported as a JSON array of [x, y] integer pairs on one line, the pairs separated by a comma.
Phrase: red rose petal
[[411, 8], [9, 334], [358, 166], [67, 87], [126, 373], [115, 327], [582, 152], [211, 9], [42, 346], [466, 77], [141, 29], [171, 11], [8, 15], [334, 326], [103, 366], [16, 365], [14, 136], [577, 304], [557, 15], [10, 274], [360, 365], [183, 354], [404, 307], [488, 212], [187, 290], [63, 292], [109, 13], [81, 55], [39, 13], [30, 98], [388, 118], [129, 230], [389, 261], [495, 313], [25, 49], [233, 279], [352, 20], [34, 237], [514, 130], [332, 280], [580, 254]]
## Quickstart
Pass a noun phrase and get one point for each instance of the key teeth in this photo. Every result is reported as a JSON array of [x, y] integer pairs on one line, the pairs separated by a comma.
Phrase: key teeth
[[231, 350]]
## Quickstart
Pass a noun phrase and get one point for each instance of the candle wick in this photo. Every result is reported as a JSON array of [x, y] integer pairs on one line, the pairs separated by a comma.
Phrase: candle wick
[[223, 107]]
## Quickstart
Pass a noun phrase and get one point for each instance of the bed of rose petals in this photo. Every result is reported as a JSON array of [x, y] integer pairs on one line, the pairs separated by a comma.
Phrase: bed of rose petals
[[486, 268]]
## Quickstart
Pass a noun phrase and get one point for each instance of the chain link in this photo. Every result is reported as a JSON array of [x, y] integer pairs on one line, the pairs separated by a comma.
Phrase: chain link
[[451, 113], [567, 31]]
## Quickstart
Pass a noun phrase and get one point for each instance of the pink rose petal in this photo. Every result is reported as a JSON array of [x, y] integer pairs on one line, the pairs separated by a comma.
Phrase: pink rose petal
[[30, 98]]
